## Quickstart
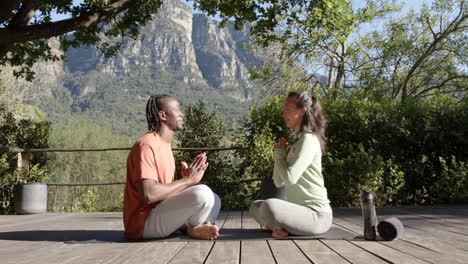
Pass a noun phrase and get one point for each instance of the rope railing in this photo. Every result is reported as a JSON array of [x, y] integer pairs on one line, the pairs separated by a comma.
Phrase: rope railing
[[23, 155], [121, 183], [21, 150]]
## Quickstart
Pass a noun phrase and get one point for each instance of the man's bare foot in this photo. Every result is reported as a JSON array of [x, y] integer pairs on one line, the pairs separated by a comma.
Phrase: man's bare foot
[[203, 231], [280, 233]]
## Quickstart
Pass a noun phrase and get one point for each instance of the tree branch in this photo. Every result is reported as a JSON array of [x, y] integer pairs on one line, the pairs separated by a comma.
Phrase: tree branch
[[430, 27], [6, 9], [24, 15], [421, 93], [452, 27], [48, 30]]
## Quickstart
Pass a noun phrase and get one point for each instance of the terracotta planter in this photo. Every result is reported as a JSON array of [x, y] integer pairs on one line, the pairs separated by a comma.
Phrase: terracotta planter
[[31, 198], [269, 190]]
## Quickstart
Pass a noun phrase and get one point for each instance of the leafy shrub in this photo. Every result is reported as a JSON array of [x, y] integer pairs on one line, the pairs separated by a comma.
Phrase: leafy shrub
[[22, 133], [259, 130], [452, 184], [413, 136], [205, 128], [352, 169]]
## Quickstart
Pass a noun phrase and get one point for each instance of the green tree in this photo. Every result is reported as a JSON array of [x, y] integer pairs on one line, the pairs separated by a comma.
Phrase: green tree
[[25, 25], [414, 55], [85, 167], [204, 128], [418, 55], [20, 131], [327, 50]]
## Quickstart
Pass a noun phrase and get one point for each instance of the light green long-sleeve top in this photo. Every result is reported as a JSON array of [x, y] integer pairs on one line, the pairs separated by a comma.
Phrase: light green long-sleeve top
[[300, 170]]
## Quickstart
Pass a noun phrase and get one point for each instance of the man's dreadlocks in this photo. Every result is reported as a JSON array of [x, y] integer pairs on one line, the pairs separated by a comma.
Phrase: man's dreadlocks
[[154, 105]]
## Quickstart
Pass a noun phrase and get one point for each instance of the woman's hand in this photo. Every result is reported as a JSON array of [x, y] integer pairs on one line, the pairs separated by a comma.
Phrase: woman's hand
[[281, 143]]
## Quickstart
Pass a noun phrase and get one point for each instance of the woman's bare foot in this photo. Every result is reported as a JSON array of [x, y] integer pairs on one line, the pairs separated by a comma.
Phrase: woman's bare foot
[[279, 233], [203, 231]]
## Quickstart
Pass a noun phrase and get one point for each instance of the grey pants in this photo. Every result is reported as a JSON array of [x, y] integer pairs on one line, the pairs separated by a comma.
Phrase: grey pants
[[295, 219]]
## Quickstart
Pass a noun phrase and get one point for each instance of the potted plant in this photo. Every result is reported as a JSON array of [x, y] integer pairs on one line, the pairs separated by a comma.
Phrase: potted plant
[[31, 191]]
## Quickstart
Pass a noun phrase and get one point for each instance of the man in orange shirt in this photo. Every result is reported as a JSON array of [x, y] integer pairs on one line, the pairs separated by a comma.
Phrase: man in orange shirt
[[155, 205]]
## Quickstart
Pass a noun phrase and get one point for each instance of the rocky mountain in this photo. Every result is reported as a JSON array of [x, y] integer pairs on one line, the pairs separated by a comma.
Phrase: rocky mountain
[[179, 53], [191, 46]]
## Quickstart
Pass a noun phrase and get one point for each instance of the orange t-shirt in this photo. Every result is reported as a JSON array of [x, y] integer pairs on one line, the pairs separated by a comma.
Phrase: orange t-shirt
[[150, 158]]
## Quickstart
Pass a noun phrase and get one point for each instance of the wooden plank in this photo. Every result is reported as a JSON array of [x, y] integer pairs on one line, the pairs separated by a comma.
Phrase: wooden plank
[[193, 252], [18, 247], [285, 251], [221, 219], [424, 224], [25, 220], [94, 253], [55, 253], [224, 252], [249, 222], [418, 251], [351, 252], [444, 217], [94, 221], [460, 210], [423, 253], [255, 252], [446, 242], [227, 252], [319, 253], [8, 219], [390, 254], [420, 238], [428, 236], [148, 252], [233, 220]]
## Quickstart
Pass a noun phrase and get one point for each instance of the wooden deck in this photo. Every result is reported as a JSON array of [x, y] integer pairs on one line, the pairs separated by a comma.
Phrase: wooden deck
[[432, 235]]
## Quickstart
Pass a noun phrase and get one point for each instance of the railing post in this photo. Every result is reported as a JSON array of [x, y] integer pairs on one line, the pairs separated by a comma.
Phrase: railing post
[[21, 163]]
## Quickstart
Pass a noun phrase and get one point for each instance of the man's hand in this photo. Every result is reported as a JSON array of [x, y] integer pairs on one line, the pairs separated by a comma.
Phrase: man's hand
[[185, 171], [196, 169]]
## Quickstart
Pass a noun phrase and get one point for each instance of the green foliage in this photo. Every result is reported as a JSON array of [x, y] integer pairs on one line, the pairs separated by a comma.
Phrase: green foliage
[[87, 202], [90, 200], [33, 174], [113, 21], [400, 152], [86, 167], [452, 185], [22, 133], [260, 129], [24, 49], [414, 55], [376, 141], [351, 169], [206, 128], [6, 189], [420, 54]]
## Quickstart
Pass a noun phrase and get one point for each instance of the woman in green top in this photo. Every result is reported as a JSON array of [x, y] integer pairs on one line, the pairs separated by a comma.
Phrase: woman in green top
[[298, 167]]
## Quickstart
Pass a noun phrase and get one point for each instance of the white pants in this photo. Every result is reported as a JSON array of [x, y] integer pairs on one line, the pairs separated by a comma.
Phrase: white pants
[[192, 206]]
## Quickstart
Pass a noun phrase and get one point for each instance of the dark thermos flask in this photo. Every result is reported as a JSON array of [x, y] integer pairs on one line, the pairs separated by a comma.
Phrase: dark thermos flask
[[369, 215]]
